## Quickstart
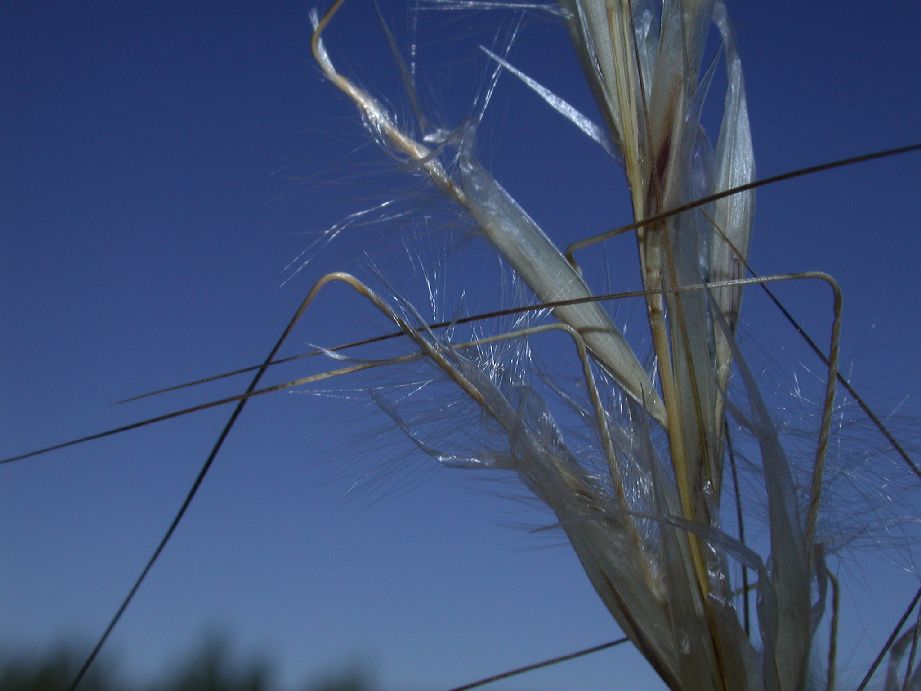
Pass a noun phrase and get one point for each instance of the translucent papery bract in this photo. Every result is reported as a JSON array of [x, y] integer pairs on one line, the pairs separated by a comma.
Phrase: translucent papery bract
[[543, 267], [786, 627]]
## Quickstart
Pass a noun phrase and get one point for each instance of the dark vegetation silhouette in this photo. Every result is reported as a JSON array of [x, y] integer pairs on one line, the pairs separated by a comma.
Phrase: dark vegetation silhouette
[[213, 666]]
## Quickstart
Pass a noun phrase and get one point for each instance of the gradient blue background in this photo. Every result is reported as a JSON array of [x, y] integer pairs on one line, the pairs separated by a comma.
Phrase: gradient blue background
[[161, 165]]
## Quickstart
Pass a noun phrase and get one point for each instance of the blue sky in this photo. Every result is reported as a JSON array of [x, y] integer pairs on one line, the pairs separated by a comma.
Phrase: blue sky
[[162, 165]]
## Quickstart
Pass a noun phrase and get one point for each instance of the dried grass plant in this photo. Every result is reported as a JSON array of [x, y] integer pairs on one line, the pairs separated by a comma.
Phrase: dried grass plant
[[643, 514], [655, 447]]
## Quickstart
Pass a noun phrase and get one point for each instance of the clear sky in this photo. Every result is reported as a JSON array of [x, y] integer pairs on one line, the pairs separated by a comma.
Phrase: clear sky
[[160, 166]]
